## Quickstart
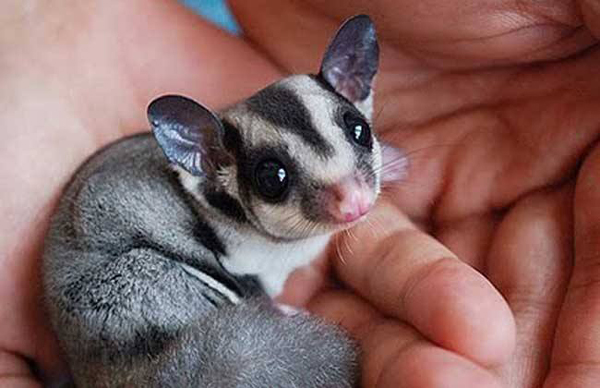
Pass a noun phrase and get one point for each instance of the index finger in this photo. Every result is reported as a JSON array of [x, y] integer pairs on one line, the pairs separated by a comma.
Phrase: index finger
[[409, 275]]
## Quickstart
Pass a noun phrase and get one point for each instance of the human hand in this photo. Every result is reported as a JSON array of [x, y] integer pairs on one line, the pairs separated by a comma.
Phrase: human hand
[[76, 75], [496, 106]]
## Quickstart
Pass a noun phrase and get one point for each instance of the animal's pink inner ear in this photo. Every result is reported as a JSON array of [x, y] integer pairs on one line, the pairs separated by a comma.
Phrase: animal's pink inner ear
[[352, 58], [394, 164], [187, 132]]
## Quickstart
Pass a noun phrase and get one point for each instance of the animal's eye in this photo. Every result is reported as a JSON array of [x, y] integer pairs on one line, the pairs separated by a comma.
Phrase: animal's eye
[[358, 129], [272, 179]]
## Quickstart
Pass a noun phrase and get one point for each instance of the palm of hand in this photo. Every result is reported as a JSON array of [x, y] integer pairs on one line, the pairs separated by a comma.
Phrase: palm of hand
[[503, 173], [494, 176]]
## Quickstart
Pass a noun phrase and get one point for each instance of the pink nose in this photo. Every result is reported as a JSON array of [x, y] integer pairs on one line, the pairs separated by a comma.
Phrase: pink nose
[[354, 210], [350, 199]]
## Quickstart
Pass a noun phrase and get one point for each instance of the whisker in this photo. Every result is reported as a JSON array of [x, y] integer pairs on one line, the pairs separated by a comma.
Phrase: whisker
[[403, 159], [373, 228], [410, 183], [296, 225], [352, 235], [339, 251], [347, 243], [406, 153]]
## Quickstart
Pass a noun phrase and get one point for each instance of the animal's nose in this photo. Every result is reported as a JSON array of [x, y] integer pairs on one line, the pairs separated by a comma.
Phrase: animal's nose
[[349, 199]]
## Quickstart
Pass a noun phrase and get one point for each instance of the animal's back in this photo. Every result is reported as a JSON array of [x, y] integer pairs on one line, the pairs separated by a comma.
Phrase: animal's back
[[123, 193], [113, 278]]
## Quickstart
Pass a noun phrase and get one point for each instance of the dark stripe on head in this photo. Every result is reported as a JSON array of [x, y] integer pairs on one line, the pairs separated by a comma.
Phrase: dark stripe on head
[[226, 204], [282, 108], [208, 237], [232, 139]]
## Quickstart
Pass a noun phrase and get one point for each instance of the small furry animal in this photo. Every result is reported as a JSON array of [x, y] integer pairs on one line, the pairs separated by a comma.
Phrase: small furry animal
[[166, 248]]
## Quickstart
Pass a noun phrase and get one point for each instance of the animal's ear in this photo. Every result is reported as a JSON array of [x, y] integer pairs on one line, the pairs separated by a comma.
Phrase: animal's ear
[[188, 133], [352, 58]]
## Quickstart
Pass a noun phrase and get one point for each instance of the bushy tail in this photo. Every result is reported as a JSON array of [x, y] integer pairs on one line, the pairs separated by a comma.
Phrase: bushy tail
[[254, 345]]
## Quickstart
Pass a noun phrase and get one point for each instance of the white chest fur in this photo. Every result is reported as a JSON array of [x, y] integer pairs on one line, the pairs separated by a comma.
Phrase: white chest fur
[[255, 255], [272, 262]]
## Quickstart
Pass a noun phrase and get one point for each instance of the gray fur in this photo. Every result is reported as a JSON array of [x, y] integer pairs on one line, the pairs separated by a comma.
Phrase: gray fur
[[162, 255], [251, 346]]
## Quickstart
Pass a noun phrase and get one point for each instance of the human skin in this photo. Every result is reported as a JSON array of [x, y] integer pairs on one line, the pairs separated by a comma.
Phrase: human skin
[[479, 270]]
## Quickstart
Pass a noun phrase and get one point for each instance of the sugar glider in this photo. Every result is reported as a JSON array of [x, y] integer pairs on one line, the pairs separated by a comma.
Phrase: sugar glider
[[167, 246]]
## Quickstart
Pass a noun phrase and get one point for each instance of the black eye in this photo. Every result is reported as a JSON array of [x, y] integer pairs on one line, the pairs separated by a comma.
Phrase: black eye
[[272, 179], [358, 129]]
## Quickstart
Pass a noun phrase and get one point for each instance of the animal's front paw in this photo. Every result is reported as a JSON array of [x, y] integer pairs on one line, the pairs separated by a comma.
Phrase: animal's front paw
[[290, 310]]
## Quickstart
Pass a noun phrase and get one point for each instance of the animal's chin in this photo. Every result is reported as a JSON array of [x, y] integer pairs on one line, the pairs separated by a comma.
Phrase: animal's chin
[[321, 229], [339, 226], [331, 227]]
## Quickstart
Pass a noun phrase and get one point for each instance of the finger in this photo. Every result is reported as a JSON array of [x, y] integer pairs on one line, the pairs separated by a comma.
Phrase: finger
[[15, 373], [529, 262], [576, 355], [449, 34], [393, 354], [408, 275], [304, 282]]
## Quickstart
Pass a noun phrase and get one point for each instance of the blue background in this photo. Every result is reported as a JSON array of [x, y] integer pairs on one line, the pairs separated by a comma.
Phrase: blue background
[[215, 10]]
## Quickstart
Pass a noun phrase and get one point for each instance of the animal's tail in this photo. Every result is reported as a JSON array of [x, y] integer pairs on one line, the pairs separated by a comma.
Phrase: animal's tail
[[254, 345]]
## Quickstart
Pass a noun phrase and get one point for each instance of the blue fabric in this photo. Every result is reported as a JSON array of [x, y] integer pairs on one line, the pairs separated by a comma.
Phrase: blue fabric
[[215, 11]]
